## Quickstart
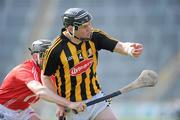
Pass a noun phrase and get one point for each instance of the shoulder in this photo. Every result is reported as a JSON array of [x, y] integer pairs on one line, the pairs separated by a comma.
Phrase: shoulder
[[26, 65], [23, 70], [56, 46], [100, 34], [98, 31], [57, 42]]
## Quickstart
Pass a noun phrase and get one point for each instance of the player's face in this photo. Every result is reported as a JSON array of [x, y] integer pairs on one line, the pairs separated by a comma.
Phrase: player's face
[[84, 31], [38, 57]]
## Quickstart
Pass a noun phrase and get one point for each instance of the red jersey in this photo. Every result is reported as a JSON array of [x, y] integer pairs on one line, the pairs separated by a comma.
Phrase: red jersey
[[14, 93]]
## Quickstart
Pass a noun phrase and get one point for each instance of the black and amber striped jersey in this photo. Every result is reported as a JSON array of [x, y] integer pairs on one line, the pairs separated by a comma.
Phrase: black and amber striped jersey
[[74, 66]]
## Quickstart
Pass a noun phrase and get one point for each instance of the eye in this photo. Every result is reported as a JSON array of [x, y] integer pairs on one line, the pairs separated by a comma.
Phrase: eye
[[86, 25]]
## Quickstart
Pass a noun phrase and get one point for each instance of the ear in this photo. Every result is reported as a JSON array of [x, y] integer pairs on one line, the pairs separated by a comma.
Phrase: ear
[[35, 56], [70, 28]]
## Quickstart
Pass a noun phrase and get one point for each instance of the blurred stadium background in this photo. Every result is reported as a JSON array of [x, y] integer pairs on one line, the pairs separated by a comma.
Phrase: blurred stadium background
[[154, 23]]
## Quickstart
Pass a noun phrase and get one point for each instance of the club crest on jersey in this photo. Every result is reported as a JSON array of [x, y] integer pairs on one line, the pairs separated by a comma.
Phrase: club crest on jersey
[[81, 67], [89, 52]]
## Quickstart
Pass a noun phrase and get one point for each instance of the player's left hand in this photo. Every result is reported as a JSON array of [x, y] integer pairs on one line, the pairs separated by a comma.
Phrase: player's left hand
[[137, 49]]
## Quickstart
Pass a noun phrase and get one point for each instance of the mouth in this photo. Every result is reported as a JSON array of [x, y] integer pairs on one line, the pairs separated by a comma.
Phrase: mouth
[[89, 35]]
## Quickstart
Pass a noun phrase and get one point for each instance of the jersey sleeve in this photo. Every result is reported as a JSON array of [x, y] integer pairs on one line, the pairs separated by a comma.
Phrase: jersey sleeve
[[103, 40], [50, 63], [25, 75]]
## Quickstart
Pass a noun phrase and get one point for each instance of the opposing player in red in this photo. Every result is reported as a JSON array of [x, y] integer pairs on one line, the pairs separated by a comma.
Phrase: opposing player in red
[[22, 87]]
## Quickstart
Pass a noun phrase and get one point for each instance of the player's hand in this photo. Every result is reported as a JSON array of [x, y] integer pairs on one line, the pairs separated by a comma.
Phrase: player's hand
[[78, 106], [60, 112], [137, 49]]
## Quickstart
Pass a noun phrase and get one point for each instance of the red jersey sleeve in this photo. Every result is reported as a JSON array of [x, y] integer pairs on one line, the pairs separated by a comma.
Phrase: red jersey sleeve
[[25, 75], [28, 73]]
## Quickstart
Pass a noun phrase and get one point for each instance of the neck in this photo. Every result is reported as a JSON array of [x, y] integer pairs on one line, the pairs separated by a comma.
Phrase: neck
[[74, 39]]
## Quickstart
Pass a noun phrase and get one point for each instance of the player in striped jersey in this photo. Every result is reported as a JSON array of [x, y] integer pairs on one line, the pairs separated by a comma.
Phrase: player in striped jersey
[[73, 58], [22, 87]]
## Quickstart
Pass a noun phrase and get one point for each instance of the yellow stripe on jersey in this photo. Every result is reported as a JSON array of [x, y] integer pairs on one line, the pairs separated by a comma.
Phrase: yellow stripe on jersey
[[94, 57], [94, 85], [94, 67], [74, 53], [87, 79], [58, 81], [66, 75]]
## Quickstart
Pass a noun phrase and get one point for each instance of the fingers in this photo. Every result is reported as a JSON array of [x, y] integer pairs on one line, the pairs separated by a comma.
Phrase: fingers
[[81, 107], [136, 53], [138, 48], [77, 107], [136, 45]]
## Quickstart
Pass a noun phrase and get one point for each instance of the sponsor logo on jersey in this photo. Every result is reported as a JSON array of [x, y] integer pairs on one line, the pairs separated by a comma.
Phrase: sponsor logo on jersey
[[81, 67]]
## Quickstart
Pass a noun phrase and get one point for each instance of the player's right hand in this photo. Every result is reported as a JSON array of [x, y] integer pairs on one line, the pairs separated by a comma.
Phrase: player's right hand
[[78, 106], [137, 49]]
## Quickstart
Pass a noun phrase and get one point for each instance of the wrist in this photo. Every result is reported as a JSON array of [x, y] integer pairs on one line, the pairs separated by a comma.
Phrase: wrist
[[128, 49], [68, 104]]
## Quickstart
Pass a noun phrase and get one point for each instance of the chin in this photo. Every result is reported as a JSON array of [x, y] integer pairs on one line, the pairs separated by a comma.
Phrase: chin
[[88, 37]]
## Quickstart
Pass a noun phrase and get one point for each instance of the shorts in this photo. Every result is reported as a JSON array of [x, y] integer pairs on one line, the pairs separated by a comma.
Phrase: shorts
[[91, 111], [8, 114]]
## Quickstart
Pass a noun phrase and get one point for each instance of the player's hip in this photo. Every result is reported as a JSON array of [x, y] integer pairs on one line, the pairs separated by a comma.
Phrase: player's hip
[[91, 111], [9, 114]]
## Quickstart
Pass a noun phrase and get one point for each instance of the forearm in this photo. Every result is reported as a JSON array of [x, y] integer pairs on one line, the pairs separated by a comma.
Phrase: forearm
[[46, 94], [50, 96], [46, 81]]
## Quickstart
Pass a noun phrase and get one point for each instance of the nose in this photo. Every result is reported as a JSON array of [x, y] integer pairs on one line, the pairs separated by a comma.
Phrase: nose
[[89, 28]]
